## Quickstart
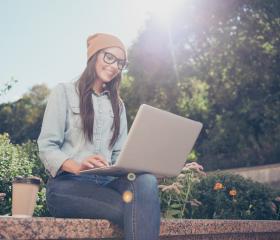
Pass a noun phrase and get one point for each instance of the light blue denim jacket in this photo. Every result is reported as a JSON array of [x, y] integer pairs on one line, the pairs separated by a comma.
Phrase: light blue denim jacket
[[61, 136]]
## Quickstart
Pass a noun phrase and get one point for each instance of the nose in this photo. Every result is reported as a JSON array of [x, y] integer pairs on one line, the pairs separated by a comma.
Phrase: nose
[[115, 66]]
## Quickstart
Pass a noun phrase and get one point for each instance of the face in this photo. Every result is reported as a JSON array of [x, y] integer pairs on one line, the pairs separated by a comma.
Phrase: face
[[106, 71]]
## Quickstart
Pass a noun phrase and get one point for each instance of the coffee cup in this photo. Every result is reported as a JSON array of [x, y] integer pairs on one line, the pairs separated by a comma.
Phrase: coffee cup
[[24, 196]]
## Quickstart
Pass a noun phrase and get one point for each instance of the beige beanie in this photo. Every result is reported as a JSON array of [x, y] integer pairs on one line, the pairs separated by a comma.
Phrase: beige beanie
[[99, 41]]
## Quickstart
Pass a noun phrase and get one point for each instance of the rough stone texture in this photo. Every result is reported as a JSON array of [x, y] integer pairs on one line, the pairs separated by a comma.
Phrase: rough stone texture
[[61, 228]]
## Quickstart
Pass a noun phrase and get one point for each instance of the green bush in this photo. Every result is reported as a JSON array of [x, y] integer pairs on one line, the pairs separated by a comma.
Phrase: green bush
[[20, 160], [217, 196], [228, 196]]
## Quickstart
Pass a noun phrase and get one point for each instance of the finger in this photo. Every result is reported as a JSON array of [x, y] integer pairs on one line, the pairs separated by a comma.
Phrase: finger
[[99, 164], [104, 162], [102, 159], [96, 162], [99, 157], [88, 164]]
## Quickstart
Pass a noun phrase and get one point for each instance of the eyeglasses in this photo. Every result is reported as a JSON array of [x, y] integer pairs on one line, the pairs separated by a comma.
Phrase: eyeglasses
[[109, 58]]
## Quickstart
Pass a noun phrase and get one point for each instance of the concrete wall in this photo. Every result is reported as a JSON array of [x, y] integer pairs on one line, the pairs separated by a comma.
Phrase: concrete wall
[[265, 174]]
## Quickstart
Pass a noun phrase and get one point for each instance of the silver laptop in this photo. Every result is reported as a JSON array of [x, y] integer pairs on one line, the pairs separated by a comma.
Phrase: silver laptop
[[158, 142]]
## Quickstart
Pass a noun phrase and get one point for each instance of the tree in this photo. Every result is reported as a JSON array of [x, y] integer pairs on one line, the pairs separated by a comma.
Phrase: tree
[[7, 86], [22, 119], [220, 66]]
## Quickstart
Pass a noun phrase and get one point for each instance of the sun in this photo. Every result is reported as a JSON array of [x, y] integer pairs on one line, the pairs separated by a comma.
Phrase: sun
[[161, 9]]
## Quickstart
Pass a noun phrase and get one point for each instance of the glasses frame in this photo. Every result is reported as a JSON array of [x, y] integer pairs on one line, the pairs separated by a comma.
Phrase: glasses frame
[[121, 63]]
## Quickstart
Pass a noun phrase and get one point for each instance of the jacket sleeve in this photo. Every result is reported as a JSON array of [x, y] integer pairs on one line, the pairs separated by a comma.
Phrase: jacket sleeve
[[122, 135], [51, 137]]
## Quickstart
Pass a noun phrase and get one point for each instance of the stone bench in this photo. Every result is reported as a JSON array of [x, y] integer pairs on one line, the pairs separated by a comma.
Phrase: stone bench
[[194, 229]]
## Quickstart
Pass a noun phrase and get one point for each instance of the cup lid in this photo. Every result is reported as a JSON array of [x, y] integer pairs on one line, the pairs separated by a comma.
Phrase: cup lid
[[30, 180]]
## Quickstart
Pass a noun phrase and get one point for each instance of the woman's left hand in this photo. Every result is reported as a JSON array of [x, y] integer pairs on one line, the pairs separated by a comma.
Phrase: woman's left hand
[[101, 159], [93, 161]]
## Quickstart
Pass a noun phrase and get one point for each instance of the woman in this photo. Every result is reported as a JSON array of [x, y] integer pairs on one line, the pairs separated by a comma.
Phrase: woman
[[84, 127]]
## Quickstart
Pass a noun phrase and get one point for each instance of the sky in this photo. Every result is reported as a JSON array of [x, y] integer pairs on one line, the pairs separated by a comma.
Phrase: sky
[[44, 41]]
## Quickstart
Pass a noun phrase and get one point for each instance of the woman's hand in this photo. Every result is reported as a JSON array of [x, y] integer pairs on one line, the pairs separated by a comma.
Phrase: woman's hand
[[90, 162], [94, 161]]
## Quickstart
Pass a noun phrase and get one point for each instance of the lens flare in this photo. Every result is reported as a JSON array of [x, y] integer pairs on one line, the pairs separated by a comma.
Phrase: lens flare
[[163, 10], [127, 196]]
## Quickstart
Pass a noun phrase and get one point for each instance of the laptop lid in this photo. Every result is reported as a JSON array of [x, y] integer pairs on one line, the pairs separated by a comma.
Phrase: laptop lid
[[158, 142]]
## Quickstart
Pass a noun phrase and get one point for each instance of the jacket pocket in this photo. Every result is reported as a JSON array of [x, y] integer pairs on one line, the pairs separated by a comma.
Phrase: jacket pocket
[[75, 117]]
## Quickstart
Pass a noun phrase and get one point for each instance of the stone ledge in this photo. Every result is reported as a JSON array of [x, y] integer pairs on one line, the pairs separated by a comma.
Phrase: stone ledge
[[62, 228]]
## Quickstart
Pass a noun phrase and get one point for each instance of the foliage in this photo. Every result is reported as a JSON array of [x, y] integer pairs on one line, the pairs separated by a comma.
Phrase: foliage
[[228, 196], [22, 119], [176, 194], [20, 160], [217, 196], [218, 63], [7, 86]]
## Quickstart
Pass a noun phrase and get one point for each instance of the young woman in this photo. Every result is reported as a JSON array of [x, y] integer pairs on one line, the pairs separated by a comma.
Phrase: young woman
[[84, 127]]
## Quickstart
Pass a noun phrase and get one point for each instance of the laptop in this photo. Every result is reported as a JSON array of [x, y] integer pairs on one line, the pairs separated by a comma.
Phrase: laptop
[[158, 142]]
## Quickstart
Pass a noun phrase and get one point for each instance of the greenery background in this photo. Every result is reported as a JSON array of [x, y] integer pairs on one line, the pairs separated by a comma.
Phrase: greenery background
[[221, 68]]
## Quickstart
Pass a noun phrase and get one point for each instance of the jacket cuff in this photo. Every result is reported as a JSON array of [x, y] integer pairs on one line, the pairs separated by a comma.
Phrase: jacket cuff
[[56, 158]]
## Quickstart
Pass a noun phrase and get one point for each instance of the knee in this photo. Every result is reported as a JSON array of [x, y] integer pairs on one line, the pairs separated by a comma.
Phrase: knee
[[146, 181]]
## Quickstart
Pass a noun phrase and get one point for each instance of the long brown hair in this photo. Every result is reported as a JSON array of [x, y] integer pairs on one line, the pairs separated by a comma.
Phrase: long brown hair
[[84, 85]]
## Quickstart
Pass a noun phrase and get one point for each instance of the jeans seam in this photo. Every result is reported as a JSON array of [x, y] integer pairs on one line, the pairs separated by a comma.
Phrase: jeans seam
[[133, 212]]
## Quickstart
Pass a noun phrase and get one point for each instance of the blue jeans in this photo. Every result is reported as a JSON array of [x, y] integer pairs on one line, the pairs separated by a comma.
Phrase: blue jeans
[[91, 196]]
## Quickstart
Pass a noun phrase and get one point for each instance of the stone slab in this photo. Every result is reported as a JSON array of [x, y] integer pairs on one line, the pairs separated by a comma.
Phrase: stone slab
[[194, 229]]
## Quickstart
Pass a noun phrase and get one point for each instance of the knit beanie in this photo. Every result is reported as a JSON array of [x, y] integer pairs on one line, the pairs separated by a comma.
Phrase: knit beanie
[[100, 41]]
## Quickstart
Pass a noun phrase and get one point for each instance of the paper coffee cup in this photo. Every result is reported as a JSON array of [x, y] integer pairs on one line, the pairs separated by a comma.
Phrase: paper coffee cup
[[24, 196]]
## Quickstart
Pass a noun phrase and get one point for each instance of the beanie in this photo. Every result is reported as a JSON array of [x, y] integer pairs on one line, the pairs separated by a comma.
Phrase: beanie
[[100, 41]]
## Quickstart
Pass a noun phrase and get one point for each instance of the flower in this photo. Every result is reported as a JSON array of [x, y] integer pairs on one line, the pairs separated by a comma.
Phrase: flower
[[218, 186], [195, 203], [175, 187], [195, 167], [232, 192], [2, 196], [181, 176], [277, 199], [273, 207], [192, 165]]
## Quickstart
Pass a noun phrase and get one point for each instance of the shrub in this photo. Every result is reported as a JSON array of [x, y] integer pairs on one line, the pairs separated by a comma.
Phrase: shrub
[[228, 196], [219, 195], [20, 160]]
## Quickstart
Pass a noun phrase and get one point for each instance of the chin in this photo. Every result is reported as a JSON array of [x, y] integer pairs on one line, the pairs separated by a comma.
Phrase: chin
[[107, 79]]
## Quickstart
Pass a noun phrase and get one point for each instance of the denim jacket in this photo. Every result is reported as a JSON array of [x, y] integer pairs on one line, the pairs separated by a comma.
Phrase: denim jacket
[[61, 136]]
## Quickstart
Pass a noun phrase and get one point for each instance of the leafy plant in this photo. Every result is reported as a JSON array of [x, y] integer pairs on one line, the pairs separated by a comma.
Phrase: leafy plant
[[20, 160], [176, 194], [228, 196], [7, 86], [219, 195]]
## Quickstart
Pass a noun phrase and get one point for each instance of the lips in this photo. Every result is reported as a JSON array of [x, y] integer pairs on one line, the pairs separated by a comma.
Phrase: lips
[[110, 72]]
